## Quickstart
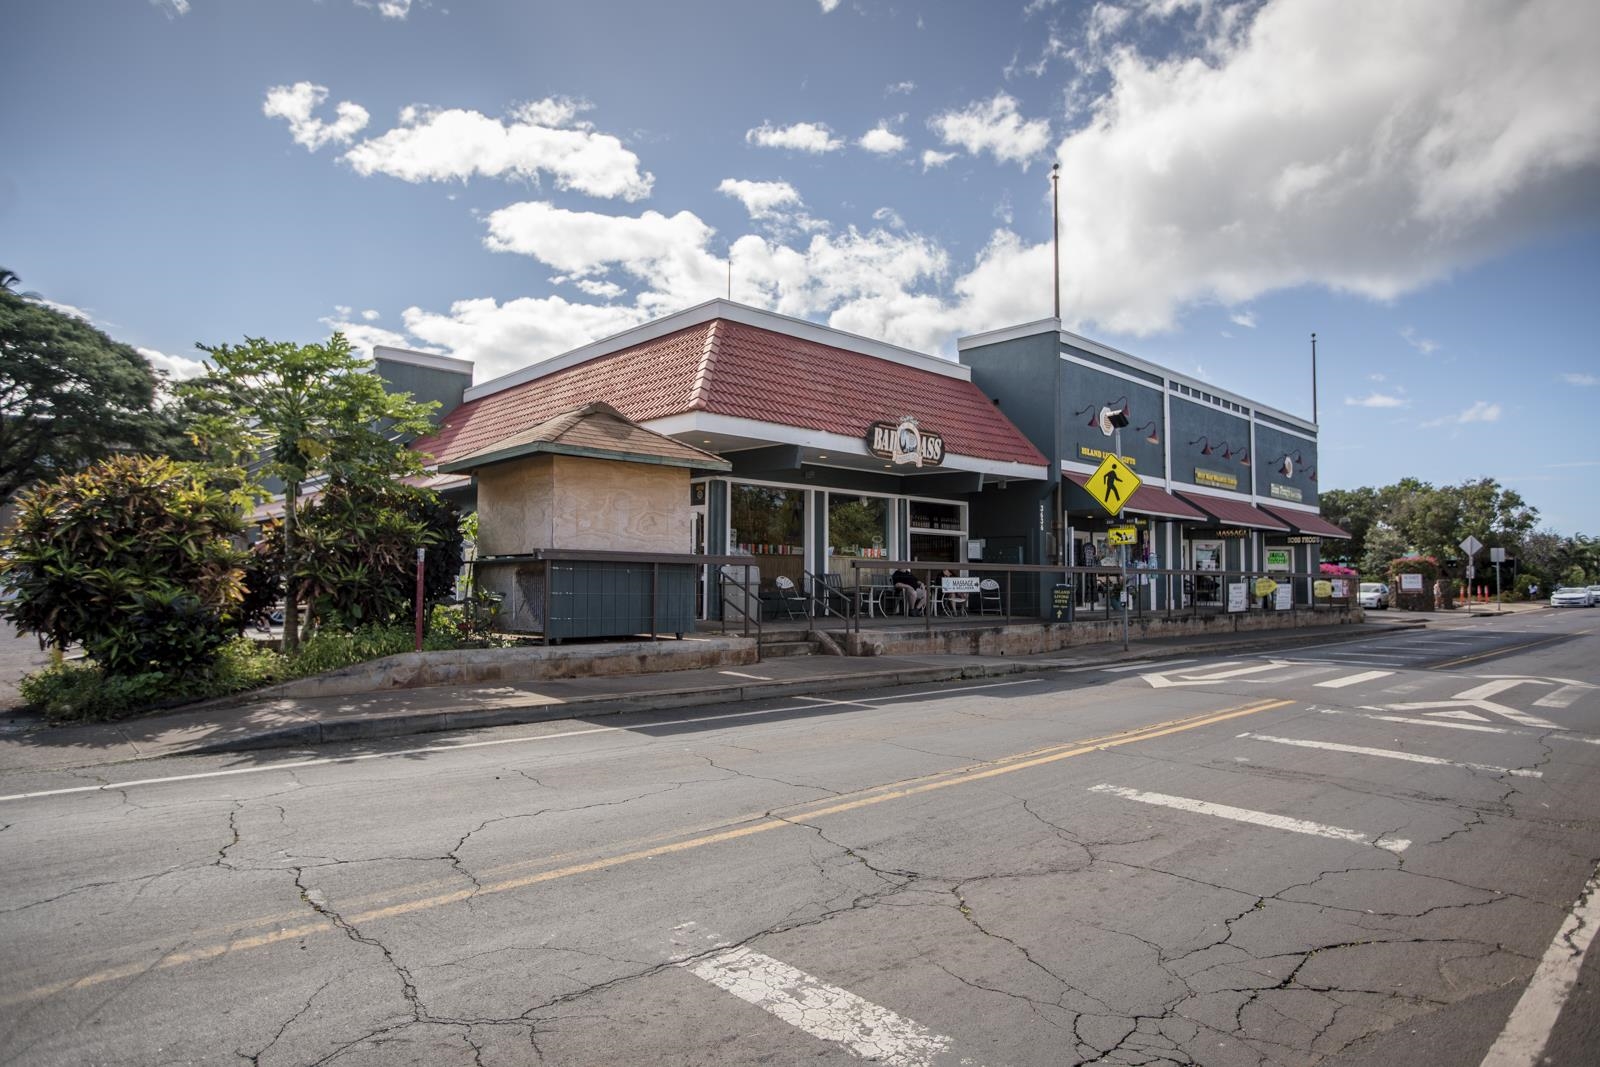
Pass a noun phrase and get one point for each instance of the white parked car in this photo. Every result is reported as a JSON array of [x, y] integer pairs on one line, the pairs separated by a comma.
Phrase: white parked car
[[1373, 595], [1571, 596]]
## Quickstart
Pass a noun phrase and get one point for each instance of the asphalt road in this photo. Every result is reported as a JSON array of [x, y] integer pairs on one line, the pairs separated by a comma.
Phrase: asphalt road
[[1360, 853]]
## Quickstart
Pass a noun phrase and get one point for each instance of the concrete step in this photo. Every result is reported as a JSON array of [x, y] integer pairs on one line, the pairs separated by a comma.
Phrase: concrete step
[[772, 649]]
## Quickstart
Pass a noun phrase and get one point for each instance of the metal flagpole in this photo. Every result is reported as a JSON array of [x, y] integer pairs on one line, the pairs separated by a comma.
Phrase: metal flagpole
[[1055, 231], [1124, 556], [1313, 377]]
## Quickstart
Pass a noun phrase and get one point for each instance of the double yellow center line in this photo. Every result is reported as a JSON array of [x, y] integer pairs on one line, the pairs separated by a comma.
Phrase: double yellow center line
[[664, 846]]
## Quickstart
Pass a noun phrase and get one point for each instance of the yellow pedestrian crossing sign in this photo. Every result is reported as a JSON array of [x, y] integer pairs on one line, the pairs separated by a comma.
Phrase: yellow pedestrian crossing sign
[[1112, 484], [1122, 535]]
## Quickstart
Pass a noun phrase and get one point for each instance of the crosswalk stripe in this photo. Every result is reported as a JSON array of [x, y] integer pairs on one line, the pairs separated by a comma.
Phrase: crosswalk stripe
[[1246, 815], [1353, 679], [1147, 664], [1389, 753], [824, 1011], [1561, 698], [1489, 689], [1237, 672]]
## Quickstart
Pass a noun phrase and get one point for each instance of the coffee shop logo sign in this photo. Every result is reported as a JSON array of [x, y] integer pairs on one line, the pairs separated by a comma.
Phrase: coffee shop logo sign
[[904, 442]]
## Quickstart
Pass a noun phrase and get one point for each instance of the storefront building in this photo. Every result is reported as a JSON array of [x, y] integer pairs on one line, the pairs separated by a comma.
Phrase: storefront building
[[840, 447], [1227, 484]]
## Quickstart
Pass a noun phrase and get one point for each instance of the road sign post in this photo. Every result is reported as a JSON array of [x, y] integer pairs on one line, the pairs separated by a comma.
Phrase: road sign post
[[1111, 484]]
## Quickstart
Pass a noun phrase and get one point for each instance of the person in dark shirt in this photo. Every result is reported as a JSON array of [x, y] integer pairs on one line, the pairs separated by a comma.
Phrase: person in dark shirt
[[911, 591]]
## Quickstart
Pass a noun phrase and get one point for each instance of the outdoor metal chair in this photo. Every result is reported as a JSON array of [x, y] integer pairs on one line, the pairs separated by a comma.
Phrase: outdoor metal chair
[[789, 597], [989, 598], [878, 594], [828, 589]]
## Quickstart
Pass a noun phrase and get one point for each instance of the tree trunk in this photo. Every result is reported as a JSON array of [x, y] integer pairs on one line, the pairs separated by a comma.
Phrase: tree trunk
[[291, 604]]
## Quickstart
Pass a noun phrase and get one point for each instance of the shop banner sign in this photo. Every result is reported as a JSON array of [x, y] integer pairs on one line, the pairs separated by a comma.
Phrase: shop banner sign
[[1322, 590], [1284, 597], [905, 443], [1265, 586], [1277, 559], [1236, 597], [960, 585], [1411, 583], [1341, 588]]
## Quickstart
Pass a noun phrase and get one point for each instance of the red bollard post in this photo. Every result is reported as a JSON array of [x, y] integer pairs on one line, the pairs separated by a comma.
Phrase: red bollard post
[[422, 554]]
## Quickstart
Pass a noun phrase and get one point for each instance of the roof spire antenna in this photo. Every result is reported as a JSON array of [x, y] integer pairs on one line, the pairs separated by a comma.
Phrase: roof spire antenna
[[1313, 377], [1055, 231], [730, 274]]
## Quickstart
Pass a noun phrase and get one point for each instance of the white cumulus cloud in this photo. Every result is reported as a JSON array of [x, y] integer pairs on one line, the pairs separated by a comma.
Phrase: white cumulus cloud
[[882, 141], [543, 137], [1360, 145], [1580, 379], [389, 9], [994, 126], [176, 368], [813, 137], [1376, 400], [932, 158], [295, 103], [763, 200]]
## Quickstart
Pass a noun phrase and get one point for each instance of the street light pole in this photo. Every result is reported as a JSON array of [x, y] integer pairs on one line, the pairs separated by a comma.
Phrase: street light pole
[[1124, 557]]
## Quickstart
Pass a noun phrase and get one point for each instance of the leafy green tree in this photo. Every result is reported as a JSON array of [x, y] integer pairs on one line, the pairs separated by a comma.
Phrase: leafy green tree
[[69, 394], [1353, 510], [1383, 546], [134, 557], [296, 412], [357, 559]]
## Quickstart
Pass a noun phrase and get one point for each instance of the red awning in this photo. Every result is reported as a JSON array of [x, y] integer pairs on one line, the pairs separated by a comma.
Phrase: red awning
[[1234, 512], [1148, 500], [1307, 523]]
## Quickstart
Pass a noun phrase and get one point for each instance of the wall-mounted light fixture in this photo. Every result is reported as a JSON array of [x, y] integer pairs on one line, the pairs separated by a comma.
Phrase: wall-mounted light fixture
[[1153, 437], [1113, 416], [1206, 441], [1244, 458], [1227, 453], [1286, 463], [1094, 416]]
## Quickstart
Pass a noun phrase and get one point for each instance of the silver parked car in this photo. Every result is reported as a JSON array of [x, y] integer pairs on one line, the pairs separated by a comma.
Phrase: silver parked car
[[1373, 595], [1571, 596]]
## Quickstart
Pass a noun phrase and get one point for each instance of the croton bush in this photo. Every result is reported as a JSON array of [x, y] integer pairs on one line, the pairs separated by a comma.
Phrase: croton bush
[[135, 558]]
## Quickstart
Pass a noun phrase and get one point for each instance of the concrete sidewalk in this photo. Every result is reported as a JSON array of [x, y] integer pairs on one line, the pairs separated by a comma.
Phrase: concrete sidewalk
[[29, 744]]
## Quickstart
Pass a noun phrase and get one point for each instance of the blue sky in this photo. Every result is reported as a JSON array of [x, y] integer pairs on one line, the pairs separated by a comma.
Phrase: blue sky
[[1418, 183]]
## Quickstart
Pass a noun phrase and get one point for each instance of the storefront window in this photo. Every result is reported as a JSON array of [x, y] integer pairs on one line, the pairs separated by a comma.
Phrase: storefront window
[[926, 515], [769, 524], [858, 528]]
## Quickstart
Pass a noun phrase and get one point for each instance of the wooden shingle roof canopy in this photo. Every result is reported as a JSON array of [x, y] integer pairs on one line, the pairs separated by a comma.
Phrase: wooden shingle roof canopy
[[596, 430], [740, 363]]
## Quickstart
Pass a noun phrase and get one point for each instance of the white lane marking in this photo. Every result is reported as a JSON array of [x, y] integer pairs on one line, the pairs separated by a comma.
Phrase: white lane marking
[[1353, 679], [1561, 698], [1259, 818], [1528, 1029], [824, 1011], [1459, 725], [752, 677], [1489, 689], [1464, 716], [1147, 664], [1237, 672], [1389, 753], [288, 765], [1520, 717]]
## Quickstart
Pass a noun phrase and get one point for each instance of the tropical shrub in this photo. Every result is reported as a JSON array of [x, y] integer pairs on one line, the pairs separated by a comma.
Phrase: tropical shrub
[[356, 554], [134, 558]]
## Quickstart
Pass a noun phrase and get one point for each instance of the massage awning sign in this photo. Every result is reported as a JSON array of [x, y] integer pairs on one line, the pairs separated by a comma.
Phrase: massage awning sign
[[1111, 484]]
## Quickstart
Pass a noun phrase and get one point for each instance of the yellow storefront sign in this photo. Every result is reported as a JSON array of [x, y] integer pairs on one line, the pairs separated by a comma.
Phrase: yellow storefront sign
[[1266, 587], [1111, 484]]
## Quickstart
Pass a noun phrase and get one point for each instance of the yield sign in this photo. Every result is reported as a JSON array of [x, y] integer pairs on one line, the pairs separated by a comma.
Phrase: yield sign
[[1111, 484]]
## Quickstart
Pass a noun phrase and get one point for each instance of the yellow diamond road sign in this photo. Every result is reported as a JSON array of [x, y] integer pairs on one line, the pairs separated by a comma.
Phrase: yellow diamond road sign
[[1112, 484]]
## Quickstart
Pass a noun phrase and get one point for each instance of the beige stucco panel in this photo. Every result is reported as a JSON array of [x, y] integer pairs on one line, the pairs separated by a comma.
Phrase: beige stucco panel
[[616, 506], [549, 501], [515, 506]]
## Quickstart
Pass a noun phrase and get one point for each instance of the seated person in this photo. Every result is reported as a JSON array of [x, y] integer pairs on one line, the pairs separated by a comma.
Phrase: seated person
[[956, 601], [911, 591]]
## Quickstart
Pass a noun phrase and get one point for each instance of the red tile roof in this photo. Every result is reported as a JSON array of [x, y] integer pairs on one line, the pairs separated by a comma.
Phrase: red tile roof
[[1233, 512], [734, 369], [1149, 500], [1305, 522]]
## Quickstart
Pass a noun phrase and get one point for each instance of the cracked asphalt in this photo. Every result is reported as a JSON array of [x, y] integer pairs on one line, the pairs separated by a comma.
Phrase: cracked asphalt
[[1250, 860]]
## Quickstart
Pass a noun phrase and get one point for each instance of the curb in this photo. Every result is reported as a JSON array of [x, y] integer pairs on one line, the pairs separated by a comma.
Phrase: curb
[[378, 727]]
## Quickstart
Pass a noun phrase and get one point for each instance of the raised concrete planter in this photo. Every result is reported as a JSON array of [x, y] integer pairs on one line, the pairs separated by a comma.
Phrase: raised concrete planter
[[477, 666], [1025, 639]]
